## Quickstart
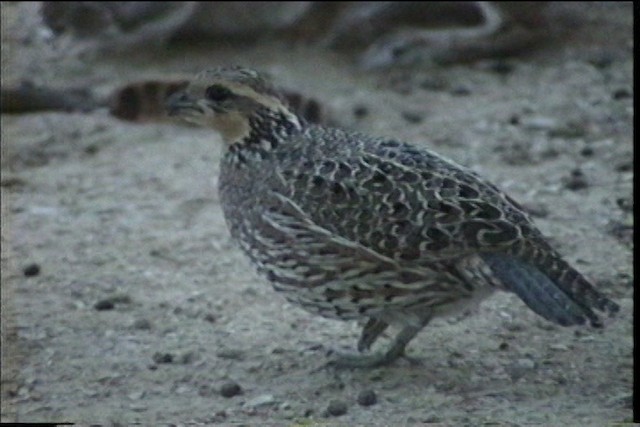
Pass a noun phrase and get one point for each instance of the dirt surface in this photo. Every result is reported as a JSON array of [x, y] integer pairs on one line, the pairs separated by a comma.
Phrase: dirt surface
[[144, 311]]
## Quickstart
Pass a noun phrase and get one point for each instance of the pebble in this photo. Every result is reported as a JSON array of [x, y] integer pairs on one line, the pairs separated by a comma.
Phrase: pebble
[[136, 395], [559, 347], [412, 117], [576, 181], [262, 400], [105, 304], [367, 398], [230, 389], [142, 324], [624, 203], [621, 94], [162, 357], [12, 182], [31, 270], [231, 354], [587, 152], [626, 166], [360, 111], [336, 408], [110, 302], [539, 123]]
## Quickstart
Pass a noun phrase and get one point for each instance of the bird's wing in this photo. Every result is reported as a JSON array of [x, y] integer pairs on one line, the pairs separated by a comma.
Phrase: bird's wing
[[408, 206], [339, 267]]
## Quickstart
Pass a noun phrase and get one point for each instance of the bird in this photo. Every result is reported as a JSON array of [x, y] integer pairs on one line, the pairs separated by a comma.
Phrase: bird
[[355, 227]]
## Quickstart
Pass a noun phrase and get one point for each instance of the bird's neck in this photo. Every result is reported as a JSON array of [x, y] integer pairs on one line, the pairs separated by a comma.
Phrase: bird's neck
[[267, 130]]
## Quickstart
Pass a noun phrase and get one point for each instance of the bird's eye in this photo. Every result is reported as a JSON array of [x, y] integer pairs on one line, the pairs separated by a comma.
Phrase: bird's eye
[[218, 93]]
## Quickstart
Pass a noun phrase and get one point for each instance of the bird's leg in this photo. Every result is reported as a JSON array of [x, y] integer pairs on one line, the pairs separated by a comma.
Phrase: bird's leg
[[370, 333], [395, 351]]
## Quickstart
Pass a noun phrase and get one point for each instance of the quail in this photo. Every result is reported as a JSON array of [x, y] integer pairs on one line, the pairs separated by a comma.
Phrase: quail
[[351, 226]]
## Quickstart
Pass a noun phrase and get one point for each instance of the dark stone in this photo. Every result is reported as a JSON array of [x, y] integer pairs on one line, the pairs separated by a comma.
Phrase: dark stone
[[31, 270], [230, 389], [162, 358], [336, 408], [105, 304], [360, 111], [367, 398]]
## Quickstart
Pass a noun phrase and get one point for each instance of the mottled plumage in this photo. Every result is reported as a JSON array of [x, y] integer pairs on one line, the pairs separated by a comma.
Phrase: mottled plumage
[[351, 226]]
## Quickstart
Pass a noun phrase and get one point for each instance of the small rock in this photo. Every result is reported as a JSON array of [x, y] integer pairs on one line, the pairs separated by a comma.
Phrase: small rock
[[110, 302], [626, 166], [559, 347], [137, 408], [621, 94], [431, 418], [230, 389], [105, 304], [412, 117], [625, 203], [336, 408], [231, 354], [210, 317], [360, 111], [285, 406], [219, 416], [263, 400], [576, 181], [367, 398], [539, 123], [503, 346], [91, 149], [136, 395], [514, 120], [31, 270], [142, 324], [587, 152], [162, 358], [12, 182]]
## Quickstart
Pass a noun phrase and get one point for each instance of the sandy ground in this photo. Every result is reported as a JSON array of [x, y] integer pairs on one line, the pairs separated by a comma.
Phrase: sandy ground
[[126, 217]]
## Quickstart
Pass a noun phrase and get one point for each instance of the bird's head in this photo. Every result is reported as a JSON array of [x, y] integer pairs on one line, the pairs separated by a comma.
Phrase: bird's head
[[240, 103]]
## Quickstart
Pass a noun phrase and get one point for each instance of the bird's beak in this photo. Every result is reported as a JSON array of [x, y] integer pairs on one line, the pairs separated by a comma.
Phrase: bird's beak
[[179, 102]]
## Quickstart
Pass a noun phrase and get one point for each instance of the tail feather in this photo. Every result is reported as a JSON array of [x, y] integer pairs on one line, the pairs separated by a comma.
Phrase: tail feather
[[564, 305]]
